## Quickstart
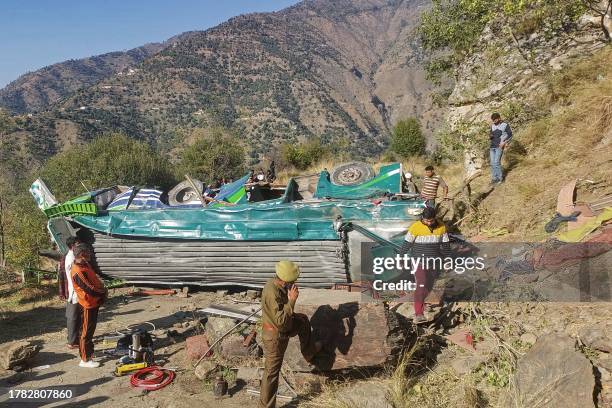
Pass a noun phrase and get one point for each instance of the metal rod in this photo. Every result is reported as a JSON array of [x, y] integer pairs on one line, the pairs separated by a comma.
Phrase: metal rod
[[225, 335]]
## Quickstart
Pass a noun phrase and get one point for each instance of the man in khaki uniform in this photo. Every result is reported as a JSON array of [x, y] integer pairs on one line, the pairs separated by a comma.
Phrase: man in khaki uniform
[[279, 324]]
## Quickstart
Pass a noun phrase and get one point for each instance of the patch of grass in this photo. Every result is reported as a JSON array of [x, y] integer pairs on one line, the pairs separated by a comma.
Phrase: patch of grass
[[17, 298], [528, 190]]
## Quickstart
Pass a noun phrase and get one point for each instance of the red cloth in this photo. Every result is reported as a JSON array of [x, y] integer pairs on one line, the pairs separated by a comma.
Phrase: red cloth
[[424, 282]]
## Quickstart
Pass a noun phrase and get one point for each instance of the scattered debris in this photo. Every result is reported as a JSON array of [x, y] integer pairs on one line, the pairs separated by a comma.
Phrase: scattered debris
[[580, 233], [219, 339], [565, 200], [184, 293], [151, 292], [556, 221], [224, 311], [463, 338]]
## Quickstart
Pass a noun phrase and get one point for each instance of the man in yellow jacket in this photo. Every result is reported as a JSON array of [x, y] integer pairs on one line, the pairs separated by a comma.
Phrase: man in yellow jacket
[[426, 239], [278, 300]]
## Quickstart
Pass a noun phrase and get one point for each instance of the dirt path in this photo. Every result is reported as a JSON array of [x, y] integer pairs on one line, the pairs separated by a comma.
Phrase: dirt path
[[98, 387]]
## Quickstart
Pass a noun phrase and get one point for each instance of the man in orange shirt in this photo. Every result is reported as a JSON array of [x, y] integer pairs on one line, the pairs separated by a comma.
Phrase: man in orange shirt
[[91, 293]]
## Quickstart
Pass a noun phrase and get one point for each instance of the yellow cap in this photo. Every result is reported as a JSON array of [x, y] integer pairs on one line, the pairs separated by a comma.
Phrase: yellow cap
[[287, 271]]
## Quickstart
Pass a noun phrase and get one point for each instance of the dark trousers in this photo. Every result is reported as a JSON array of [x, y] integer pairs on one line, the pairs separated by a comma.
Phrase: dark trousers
[[88, 327], [424, 284], [275, 345], [73, 322]]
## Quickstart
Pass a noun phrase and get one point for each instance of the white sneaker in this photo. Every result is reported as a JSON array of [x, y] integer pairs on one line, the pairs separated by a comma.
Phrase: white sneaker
[[89, 364]]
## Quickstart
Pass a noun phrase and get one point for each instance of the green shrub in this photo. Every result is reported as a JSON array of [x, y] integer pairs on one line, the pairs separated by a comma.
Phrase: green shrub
[[213, 155], [303, 155], [407, 139], [106, 161]]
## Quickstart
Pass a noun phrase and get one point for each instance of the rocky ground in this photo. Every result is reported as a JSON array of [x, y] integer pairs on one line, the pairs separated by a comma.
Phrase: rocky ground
[[521, 354]]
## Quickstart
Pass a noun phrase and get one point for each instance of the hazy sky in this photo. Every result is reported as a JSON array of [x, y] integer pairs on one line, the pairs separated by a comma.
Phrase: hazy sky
[[35, 33]]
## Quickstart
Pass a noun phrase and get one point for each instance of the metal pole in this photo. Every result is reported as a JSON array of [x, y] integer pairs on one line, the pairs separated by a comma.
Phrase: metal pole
[[225, 335]]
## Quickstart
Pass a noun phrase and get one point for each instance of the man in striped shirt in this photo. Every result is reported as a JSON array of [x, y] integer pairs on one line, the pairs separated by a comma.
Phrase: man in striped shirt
[[431, 183]]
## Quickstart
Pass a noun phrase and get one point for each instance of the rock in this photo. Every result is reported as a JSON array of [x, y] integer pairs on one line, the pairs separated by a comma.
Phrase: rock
[[17, 353], [467, 364], [253, 294], [206, 369], [353, 333], [605, 361], [597, 337], [529, 338], [218, 326], [197, 346], [184, 293], [364, 394], [232, 346], [223, 292], [250, 375], [554, 374]]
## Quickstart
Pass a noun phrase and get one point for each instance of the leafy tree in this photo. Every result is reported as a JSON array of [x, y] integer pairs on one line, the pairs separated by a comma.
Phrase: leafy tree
[[303, 155], [213, 155], [451, 29], [407, 139], [106, 161]]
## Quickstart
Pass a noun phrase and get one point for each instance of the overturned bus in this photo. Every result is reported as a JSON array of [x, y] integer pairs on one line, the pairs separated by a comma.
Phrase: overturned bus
[[146, 236]]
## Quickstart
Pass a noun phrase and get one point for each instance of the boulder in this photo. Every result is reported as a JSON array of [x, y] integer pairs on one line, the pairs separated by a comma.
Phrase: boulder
[[597, 337], [17, 353], [554, 374], [353, 333]]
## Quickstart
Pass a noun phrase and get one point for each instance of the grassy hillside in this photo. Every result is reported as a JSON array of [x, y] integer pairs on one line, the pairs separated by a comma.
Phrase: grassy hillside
[[571, 140]]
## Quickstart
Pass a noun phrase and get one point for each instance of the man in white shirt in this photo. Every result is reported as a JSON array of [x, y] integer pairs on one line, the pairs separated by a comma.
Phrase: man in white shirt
[[73, 309]]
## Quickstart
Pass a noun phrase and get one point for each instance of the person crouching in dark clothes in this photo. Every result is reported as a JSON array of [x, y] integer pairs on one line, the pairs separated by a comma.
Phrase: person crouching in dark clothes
[[426, 239]]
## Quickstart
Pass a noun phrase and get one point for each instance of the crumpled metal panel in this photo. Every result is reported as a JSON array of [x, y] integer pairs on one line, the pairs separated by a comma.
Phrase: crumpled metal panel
[[243, 263], [388, 180], [266, 221]]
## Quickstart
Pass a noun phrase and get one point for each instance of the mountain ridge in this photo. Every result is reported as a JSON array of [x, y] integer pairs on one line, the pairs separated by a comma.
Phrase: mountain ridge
[[336, 70]]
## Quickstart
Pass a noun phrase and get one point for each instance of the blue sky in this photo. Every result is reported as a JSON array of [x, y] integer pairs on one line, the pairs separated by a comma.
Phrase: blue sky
[[36, 33]]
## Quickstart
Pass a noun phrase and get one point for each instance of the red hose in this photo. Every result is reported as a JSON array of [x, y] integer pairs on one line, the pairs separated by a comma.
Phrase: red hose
[[151, 378]]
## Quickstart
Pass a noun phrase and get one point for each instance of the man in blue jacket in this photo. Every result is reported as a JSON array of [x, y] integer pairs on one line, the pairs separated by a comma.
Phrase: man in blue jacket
[[500, 136]]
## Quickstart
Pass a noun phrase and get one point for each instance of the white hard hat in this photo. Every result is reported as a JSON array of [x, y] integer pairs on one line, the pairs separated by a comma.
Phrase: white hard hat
[[260, 177], [408, 175]]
